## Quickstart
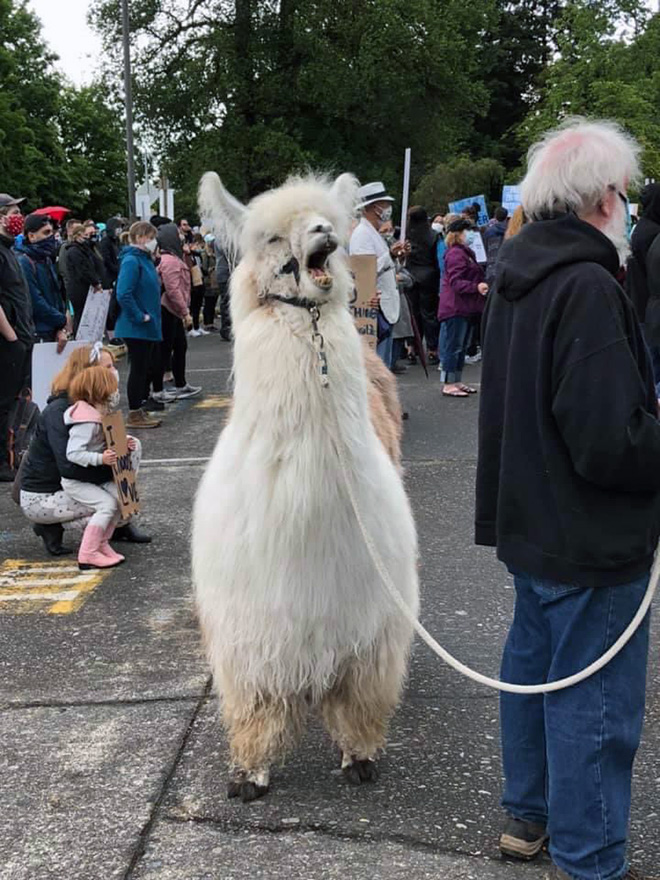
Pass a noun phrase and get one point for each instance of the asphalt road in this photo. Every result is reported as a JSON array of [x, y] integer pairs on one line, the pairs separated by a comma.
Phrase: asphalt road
[[112, 760]]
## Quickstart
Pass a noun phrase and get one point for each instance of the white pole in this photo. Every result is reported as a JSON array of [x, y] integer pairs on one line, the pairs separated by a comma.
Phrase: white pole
[[404, 198]]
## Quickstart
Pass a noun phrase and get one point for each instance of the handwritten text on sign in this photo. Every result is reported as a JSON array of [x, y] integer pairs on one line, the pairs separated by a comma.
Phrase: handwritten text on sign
[[363, 267], [122, 469]]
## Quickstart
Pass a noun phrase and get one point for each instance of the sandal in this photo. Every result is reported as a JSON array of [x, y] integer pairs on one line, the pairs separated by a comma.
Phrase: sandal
[[468, 389], [455, 392]]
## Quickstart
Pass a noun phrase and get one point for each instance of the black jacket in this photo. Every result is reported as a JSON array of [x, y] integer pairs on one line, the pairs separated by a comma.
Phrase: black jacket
[[84, 269], [422, 262], [14, 293], [568, 478], [47, 462], [644, 234], [109, 250]]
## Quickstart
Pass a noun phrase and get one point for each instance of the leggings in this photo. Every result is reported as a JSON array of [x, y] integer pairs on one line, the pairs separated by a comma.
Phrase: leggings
[[101, 499], [142, 357], [196, 297], [210, 299], [174, 346]]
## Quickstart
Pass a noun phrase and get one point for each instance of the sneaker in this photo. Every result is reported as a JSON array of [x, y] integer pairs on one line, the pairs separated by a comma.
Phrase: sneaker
[[187, 391], [167, 395], [211, 328], [203, 331], [433, 360], [137, 418], [193, 333], [152, 404], [473, 358], [522, 840]]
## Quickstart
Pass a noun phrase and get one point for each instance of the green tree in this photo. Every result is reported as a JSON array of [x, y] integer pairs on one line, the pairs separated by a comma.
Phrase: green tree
[[464, 177]]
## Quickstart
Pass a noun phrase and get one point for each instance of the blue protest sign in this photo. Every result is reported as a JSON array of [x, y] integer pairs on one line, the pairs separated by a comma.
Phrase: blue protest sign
[[510, 198], [459, 206]]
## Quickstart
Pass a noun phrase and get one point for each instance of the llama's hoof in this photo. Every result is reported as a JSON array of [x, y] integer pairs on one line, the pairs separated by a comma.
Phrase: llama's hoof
[[245, 790], [361, 771]]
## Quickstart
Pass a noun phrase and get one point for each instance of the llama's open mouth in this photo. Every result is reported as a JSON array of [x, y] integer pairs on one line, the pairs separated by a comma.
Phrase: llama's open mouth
[[317, 267]]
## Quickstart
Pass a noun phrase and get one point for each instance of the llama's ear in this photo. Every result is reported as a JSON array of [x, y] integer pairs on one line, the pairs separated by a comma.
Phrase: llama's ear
[[222, 212], [344, 189]]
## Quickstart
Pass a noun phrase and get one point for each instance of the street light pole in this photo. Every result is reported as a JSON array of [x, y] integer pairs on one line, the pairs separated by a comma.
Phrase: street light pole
[[128, 103]]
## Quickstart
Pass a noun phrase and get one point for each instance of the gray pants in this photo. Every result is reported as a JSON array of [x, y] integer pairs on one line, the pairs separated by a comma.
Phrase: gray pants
[[102, 500]]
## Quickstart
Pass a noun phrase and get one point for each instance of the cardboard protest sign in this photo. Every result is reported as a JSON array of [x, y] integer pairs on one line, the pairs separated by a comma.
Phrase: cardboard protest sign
[[46, 364], [510, 198], [462, 204], [476, 242], [363, 267], [122, 469], [94, 316]]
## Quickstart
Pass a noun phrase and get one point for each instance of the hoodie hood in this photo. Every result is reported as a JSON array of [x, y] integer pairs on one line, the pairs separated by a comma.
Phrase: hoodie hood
[[81, 412], [169, 241], [112, 225], [544, 246], [649, 199]]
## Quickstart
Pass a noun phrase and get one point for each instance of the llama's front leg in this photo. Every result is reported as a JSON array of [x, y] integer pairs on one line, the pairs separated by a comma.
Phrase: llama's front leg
[[260, 731], [358, 708]]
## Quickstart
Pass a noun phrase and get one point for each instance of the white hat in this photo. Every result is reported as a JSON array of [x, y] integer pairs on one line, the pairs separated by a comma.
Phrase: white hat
[[373, 192]]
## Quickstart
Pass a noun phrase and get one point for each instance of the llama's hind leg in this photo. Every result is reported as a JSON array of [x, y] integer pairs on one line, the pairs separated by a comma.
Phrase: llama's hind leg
[[358, 708], [261, 730]]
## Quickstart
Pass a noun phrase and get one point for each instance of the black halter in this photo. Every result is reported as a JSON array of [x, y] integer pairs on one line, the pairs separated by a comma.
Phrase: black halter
[[300, 301]]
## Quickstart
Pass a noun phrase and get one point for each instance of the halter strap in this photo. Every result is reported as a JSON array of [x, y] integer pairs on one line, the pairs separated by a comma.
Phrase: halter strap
[[300, 301]]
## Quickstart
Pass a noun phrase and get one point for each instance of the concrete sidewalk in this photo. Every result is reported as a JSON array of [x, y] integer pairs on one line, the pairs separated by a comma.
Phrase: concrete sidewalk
[[113, 761]]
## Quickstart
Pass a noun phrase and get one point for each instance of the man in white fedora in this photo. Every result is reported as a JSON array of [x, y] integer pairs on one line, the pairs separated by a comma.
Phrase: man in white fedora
[[376, 207]]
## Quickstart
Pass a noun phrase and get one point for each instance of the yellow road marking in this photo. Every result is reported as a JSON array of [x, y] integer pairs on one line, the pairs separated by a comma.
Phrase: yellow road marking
[[214, 401], [50, 587]]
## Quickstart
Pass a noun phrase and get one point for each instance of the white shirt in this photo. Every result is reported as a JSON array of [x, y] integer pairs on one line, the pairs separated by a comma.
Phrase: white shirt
[[366, 240]]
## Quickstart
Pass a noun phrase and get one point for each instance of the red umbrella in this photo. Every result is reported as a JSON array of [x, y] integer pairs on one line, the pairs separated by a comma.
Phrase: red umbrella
[[57, 212]]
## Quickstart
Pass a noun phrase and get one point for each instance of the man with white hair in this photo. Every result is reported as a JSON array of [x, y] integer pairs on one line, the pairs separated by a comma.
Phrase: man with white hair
[[568, 490]]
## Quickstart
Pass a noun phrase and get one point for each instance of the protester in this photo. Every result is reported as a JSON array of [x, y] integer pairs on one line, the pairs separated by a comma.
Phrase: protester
[[223, 274], [211, 285], [83, 270], [109, 248], [92, 392], [36, 257], [516, 223], [43, 501], [376, 207], [175, 313], [62, 266], [493, 238], [193, 257], [139, 321], [638, 277], [461, 298], [568, 490], [423, 267], [16, 325]]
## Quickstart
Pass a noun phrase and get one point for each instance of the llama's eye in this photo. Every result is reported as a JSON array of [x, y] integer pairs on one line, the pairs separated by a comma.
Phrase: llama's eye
[[274, 239]]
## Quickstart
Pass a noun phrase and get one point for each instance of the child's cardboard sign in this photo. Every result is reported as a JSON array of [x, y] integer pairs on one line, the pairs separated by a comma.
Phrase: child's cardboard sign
[[363, 267], [122, 469]]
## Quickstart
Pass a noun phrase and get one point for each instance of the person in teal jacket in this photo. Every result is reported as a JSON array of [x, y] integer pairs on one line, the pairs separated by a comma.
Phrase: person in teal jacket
[[139, 322]]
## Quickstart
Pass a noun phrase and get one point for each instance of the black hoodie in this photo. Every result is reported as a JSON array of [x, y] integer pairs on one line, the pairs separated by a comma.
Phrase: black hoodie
[[644, 234], [568, 479]]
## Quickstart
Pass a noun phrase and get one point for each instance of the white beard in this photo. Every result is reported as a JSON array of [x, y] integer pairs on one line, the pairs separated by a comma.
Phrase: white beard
[[616, 232]]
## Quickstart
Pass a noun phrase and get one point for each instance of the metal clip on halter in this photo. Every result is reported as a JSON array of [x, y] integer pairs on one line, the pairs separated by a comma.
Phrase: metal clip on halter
[[319, 345]]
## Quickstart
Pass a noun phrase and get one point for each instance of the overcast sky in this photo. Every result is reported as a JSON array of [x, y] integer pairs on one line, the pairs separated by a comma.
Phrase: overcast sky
[[66, 31]]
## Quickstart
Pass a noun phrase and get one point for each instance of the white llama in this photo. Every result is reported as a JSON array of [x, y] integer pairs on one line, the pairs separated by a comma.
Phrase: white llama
[[293, 612]]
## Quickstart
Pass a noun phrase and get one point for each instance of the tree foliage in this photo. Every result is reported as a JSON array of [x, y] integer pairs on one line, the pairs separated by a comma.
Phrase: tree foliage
[[450, 181], [58, 144]]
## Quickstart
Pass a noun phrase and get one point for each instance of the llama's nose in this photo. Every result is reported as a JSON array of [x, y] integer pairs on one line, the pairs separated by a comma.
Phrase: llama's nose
[[322, 228]]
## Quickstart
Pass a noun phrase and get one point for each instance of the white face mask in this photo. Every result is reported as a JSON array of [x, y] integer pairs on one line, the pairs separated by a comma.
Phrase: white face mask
[[114, 399], [385, 214], [151, 245], [437, 227]]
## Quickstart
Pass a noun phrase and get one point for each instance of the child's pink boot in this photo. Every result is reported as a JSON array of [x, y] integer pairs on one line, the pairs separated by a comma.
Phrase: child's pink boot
[[107, 550], [89, 554]]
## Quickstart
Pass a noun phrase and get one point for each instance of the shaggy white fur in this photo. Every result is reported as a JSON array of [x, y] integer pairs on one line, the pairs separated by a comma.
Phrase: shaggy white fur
[[289, 601]]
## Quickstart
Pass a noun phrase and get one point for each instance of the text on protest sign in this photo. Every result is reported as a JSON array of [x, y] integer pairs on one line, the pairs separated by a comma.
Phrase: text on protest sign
[[94, 316], [363, 267], [476, 243], [459, 206], [122, 470], [510, 198]]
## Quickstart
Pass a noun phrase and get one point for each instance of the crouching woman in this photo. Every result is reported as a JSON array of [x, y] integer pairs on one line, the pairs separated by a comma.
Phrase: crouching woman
[[94, 392]]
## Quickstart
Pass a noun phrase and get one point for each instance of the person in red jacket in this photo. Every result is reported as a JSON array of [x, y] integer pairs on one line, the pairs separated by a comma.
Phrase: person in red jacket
[[462, 295], [175, 313]]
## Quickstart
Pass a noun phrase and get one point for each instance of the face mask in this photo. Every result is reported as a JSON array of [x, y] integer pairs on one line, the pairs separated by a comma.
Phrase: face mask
[[385, 215], [114, 399], [151, 245], [47, 247], [437, 227], [14, 224]]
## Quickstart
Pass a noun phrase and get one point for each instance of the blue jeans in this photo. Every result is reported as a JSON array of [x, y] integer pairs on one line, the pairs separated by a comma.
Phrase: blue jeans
[[453, 343], [568, 756], [384, 350]]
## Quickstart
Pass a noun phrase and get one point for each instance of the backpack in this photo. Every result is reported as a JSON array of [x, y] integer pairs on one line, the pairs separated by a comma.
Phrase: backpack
[[23, 419]]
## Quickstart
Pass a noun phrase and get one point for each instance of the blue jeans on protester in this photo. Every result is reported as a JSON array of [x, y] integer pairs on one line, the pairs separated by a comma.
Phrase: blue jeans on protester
[[453, 344], [568, 756], [384, 350]]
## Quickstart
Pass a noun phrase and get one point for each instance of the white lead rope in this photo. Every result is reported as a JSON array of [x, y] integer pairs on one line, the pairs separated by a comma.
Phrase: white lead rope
[[546, 688]]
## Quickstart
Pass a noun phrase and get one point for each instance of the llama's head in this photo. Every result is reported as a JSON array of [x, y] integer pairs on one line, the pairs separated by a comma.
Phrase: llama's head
[[287, 238]]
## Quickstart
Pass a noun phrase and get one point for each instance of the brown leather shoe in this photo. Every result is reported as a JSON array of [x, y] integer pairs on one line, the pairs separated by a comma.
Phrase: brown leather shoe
[[137, 418]]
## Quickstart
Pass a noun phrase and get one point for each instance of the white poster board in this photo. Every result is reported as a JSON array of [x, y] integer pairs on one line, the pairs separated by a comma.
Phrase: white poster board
[[46, 364], [406, 193], [476, 242], [94, 316]]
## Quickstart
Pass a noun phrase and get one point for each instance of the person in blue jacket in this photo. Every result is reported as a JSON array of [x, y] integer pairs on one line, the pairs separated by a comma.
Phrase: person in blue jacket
[[139, 322], [36, 254]]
